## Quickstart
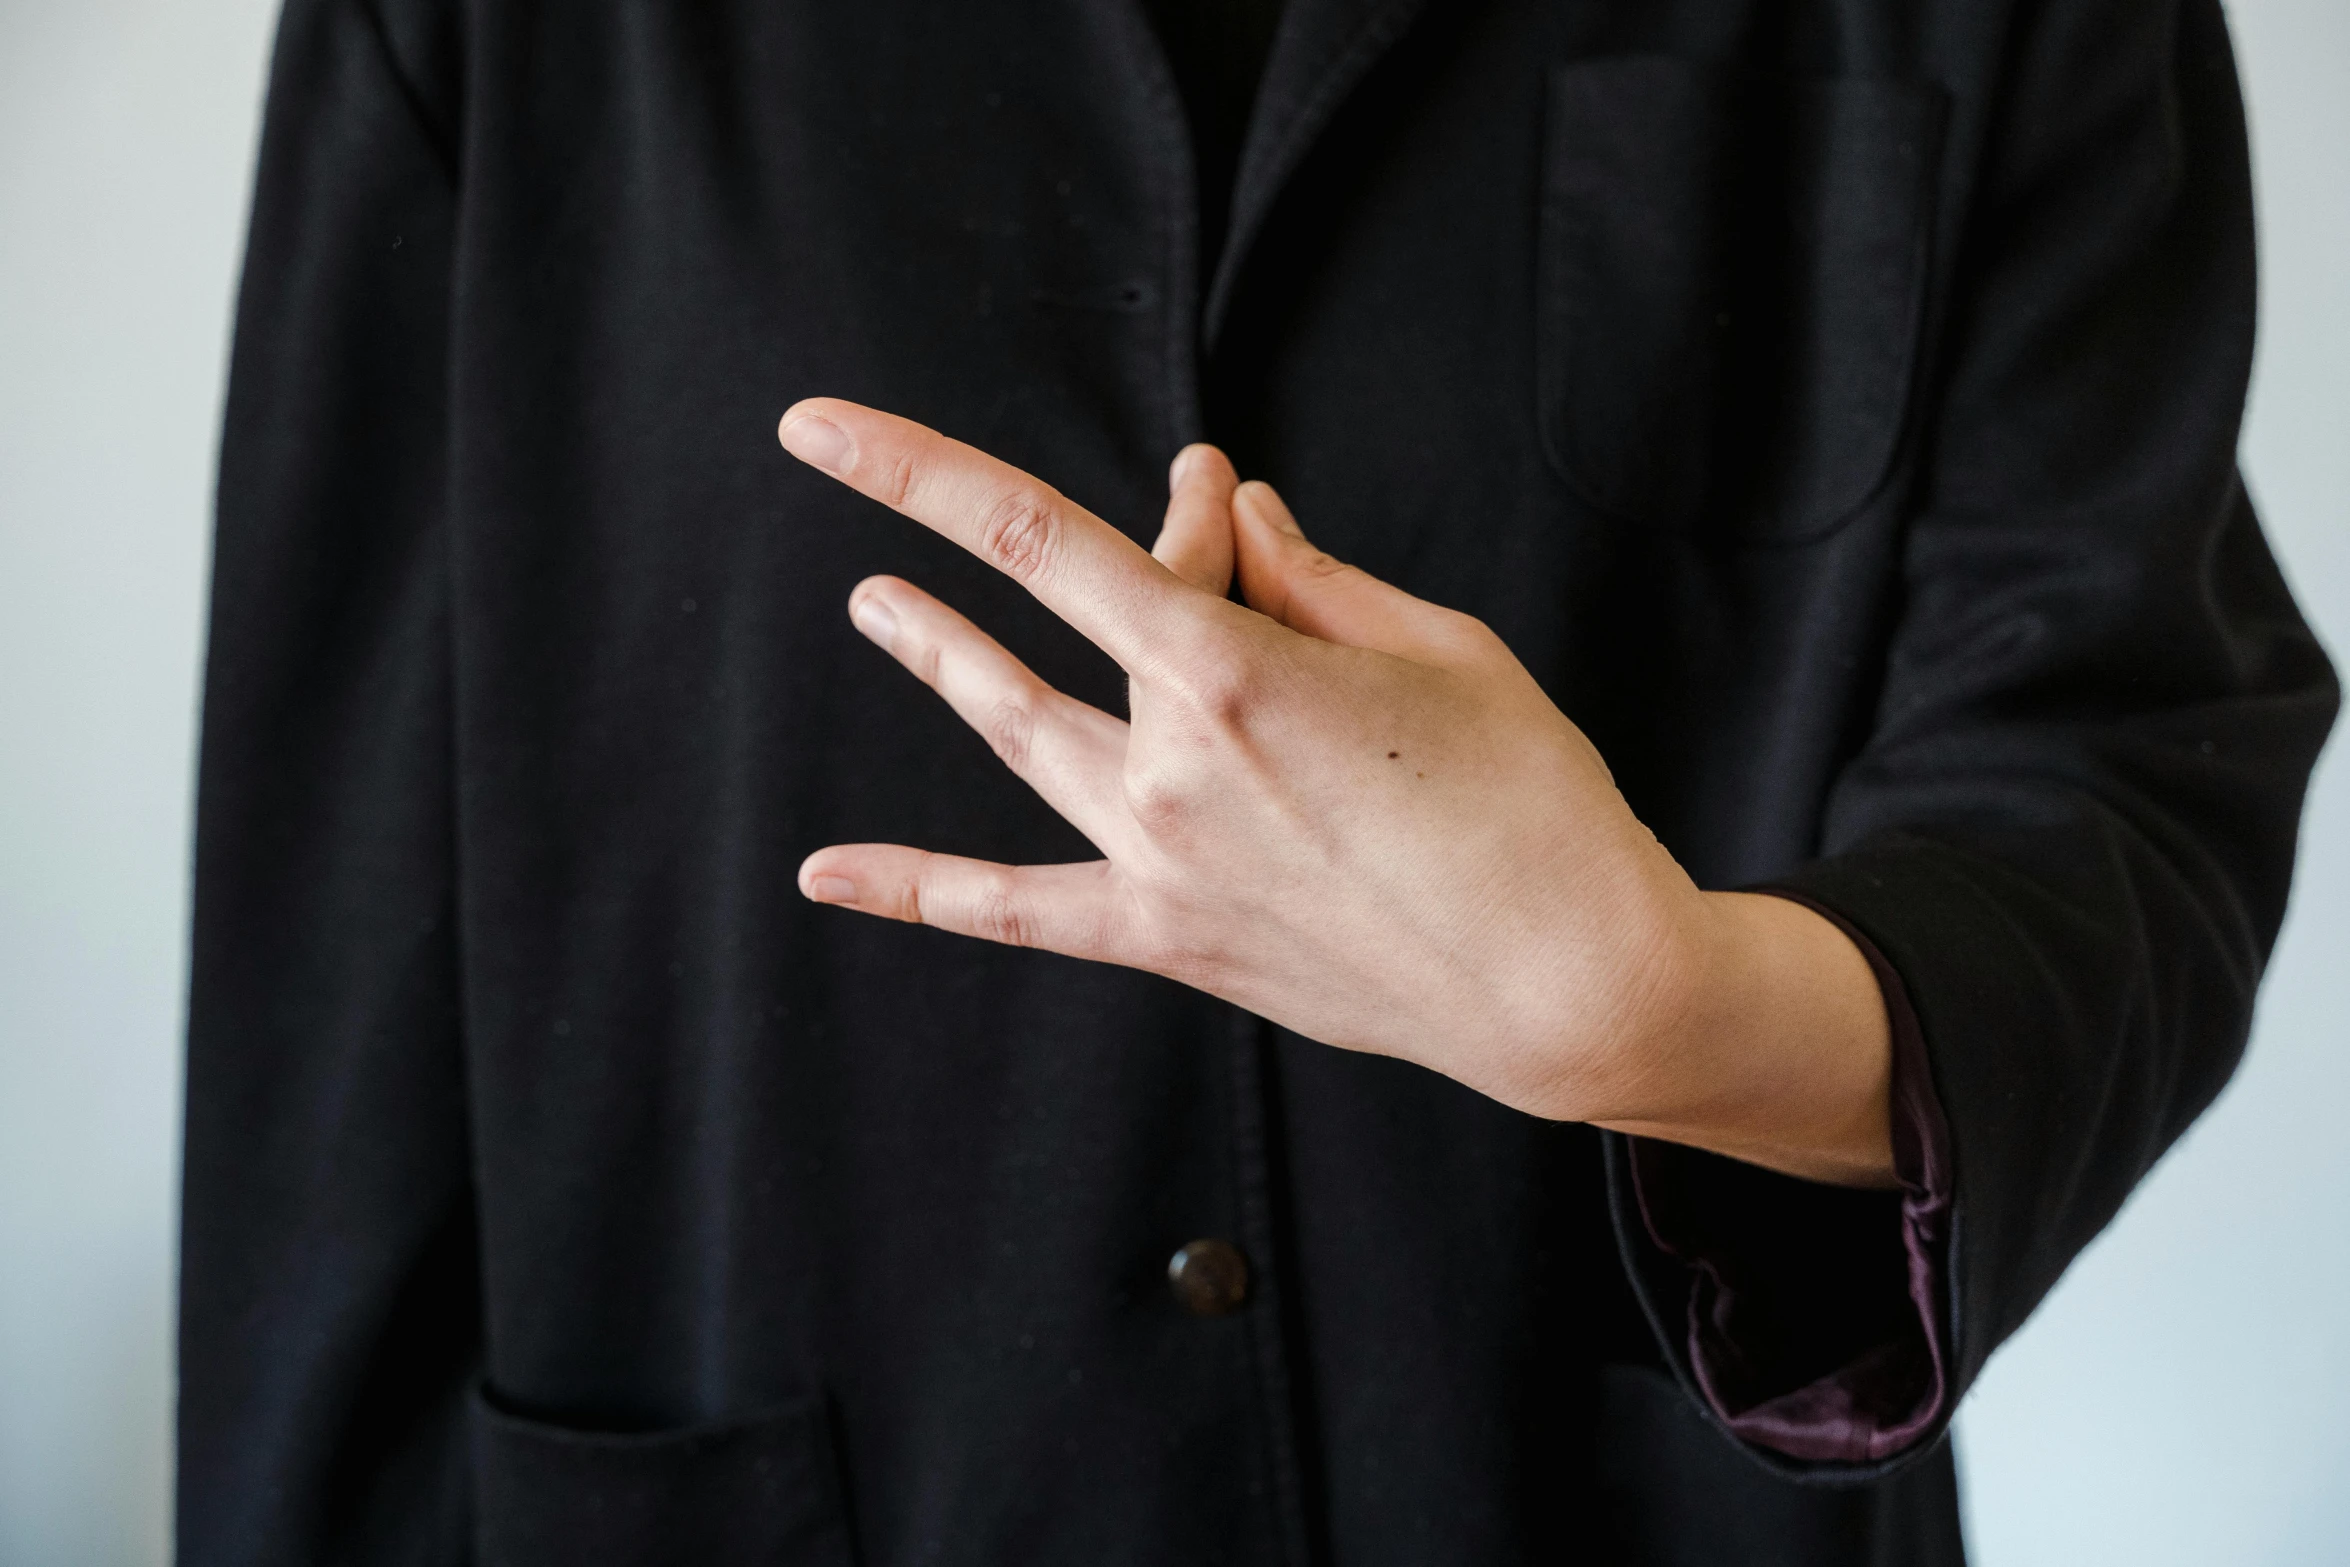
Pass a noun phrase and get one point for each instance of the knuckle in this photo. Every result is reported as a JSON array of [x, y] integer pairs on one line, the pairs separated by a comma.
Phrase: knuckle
[[1159, 804], [998, 915], [913, 900], [896, 484], [1319, 565], [1016, 532], [1465, 635], [1223, 689], [1010, 730], [1474, 630]]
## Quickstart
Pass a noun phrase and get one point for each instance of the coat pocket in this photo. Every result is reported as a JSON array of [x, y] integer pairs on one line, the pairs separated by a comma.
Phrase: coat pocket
[[1732, 277], [763, 1489]]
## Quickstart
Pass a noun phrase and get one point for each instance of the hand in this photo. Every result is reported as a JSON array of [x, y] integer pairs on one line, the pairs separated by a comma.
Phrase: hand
[[1352, 812]]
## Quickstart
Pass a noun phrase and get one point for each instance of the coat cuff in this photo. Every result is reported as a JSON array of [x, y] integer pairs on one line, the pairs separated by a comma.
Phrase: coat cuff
[[1812, 1319]]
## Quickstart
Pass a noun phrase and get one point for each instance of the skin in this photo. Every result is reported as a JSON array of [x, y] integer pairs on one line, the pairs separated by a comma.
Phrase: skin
[[1352, 812]]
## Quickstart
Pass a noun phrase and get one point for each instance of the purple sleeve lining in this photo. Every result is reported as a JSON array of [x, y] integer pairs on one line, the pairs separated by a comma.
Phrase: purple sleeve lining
[[1834, 1348]]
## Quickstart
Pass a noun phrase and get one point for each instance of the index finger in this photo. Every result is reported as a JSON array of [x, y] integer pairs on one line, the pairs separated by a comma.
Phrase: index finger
[[1077, 565]]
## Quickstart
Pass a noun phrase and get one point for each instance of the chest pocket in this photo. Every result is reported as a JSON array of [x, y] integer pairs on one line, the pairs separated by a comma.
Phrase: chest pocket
[[1732, 276]]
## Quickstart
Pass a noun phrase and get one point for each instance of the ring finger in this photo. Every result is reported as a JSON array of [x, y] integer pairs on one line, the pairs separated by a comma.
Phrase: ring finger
[[1069, 752]]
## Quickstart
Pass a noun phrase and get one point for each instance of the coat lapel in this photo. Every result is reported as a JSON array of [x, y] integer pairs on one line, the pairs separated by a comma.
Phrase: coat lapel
[[1324, 49]]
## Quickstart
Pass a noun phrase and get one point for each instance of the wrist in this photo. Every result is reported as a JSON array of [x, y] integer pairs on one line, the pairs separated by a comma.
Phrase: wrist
[[1772, 1045]]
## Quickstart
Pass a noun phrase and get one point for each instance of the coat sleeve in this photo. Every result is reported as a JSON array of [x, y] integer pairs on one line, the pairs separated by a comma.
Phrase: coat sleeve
[[2071, 830], [328, 1295]]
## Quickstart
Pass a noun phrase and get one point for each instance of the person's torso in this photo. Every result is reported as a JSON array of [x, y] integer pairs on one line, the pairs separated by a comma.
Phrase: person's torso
[[1605, 323]]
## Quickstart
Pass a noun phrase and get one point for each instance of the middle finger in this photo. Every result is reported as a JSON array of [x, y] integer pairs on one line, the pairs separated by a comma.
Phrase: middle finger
[[1082, 569]]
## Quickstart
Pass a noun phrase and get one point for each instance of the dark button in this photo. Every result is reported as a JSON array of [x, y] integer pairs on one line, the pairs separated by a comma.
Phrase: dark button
[[1209, 1277]]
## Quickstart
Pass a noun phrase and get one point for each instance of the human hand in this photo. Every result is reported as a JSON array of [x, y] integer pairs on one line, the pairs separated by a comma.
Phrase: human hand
[[1352, 812]]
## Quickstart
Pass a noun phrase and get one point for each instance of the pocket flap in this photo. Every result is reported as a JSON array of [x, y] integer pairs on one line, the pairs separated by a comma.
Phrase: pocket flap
[[763, 1489]]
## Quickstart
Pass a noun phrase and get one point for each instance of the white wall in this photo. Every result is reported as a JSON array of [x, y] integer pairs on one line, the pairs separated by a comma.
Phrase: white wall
[[126, 131], [2183, 1399]]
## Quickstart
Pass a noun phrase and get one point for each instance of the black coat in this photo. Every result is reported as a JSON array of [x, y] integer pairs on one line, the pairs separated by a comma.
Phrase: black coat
[[1834, 405]]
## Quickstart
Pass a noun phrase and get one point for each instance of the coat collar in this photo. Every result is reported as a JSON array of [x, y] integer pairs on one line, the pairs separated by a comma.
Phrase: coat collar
[[1322, 52]]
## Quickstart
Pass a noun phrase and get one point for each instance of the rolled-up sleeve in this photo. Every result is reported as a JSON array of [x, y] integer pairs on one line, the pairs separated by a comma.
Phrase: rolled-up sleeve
[[1814, 1318], [2066, 834]]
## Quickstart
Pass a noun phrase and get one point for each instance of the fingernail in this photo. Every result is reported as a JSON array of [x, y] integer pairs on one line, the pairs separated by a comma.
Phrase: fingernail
[[819, 443], [832, 889], [1179, 467], [871, 616]]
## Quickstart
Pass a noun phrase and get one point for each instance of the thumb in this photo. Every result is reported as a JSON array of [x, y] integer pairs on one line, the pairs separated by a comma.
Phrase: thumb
[[1283, 576]]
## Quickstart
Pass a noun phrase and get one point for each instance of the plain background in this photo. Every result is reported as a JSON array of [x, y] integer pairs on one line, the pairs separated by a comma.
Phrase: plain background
[[2183, 1398]]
